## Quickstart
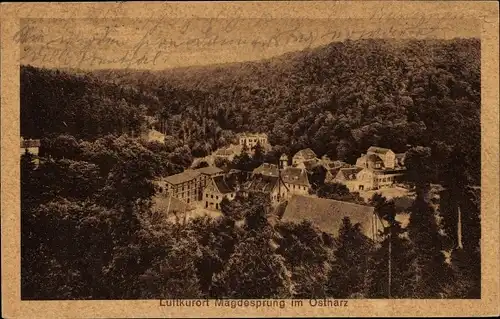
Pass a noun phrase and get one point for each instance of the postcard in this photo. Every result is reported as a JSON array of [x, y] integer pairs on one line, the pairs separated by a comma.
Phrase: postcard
[[250, 159]]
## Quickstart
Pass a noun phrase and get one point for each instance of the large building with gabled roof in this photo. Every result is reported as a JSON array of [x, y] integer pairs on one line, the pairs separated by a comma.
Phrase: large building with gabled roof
[[216, 190], [188, 185], [327, 214]]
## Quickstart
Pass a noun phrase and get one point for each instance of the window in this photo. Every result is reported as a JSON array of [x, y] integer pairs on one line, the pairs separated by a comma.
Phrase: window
[[216, 197], [212, 196]]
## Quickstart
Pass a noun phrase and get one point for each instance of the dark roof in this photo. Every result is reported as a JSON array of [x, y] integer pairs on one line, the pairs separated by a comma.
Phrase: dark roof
[[306, 153], [335, 165], [374, 158], [183, 177], [30, 143], [267, 169], [333, 172], [349, 172], [261, 183], [327, 214], [294, 175], [222, 185], [209, 170], [290, 175], [379, 150]]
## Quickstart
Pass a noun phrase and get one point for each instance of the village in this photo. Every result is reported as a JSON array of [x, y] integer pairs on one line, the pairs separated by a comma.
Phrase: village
[[200, 191]]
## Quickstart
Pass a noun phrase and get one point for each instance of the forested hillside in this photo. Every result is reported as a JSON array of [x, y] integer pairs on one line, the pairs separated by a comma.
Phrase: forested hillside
[[89, 230], [337, 99]]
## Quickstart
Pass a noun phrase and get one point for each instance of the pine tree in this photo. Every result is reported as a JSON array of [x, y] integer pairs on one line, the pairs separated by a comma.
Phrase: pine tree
[[389, 275], [347, 276], [429, 270]]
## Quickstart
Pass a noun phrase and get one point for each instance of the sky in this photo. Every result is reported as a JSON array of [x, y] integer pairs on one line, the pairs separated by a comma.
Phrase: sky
[[170, 43]]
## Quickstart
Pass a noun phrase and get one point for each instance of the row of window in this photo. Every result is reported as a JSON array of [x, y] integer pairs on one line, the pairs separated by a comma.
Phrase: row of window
[[385, 179], [296, 187], [216, 196]]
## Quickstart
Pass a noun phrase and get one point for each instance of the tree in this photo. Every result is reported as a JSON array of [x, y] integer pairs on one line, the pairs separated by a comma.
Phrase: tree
[[258, 154], [389, 274], [419, 167], [254, 270], [175, 276], [338, 191], [221, 162], [306, 256], [201, 164], [243, 162], [347, 276], [428, 266], [317, 177], [63, 146]]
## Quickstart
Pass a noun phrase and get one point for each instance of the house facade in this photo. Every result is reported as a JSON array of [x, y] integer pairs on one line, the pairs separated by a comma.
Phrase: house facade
[[272, 186], [295, 179], [216, 190], [30, 146], [304, 155], [378, 168], [251, 139], [387, 156]]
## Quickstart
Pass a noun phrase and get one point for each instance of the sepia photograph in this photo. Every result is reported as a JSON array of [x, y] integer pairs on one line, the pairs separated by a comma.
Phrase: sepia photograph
[[217, 159]]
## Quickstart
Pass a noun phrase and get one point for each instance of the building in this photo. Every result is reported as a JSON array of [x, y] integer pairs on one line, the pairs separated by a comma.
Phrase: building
[[216, 190], [154, 136], [30, 146], [327, 215], [382, 157], [304, 155], [225, 153], [308, 165], [295, 179], [188, 185], [364, 179], [378, 168], [273, 186], [349, 177], [251, 139], [333, 168]]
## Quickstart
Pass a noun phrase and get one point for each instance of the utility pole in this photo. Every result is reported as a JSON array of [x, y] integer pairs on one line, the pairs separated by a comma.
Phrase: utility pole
[[279, 181], [389, 264], [459, 229]]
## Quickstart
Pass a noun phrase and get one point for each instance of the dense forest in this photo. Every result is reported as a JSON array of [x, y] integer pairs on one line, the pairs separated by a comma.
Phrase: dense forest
[[338, 99], [88, 228]]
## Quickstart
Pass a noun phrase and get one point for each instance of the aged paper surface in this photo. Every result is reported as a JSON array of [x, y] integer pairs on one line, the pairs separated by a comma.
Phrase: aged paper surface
[[145, 43]]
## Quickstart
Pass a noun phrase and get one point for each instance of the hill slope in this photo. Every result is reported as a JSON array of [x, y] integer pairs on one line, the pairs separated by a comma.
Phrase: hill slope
[[337, 99]]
